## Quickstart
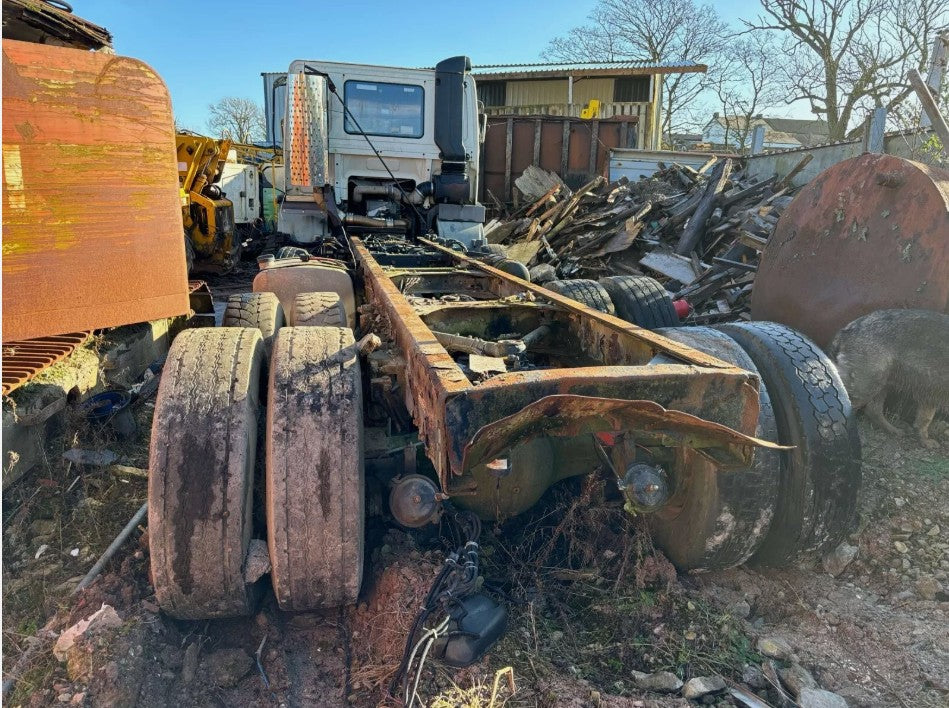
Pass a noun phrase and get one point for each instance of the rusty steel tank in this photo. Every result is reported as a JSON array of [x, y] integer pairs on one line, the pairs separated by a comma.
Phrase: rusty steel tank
[[867, 234]]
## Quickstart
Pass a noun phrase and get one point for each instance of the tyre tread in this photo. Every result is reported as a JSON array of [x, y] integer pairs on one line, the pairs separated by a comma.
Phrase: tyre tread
[[201, 465], [586, 292], [641, 300], [314, 477], [818, 508]]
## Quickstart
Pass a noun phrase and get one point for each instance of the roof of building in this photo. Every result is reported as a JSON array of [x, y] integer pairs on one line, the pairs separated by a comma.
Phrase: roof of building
[[547, 70], [45, 23], [783, 131]]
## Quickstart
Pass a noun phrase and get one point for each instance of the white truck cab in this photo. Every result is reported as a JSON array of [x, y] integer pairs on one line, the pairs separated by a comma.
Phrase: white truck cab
[[381, 149]]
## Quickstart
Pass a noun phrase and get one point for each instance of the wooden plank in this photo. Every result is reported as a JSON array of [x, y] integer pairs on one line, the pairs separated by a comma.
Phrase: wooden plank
[[931, 109], [741, 194], [565, 149], [523, 251], [594, 145], [670, 265], [708, 165], [695, 229], [786, 182], [508, 152], [538, 125], [543, 200]]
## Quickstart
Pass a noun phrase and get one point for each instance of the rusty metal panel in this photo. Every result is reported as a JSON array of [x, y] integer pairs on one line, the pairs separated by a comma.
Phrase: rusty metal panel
[[867, 234], [22, 360], [92, 230], [581, 136], [569, 415]]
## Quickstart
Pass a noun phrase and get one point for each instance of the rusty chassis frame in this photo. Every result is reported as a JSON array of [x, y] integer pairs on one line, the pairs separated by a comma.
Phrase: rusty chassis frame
[[682, 399]]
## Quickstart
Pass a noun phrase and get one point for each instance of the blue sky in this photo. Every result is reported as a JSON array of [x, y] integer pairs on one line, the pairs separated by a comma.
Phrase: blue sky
[[205, 50]]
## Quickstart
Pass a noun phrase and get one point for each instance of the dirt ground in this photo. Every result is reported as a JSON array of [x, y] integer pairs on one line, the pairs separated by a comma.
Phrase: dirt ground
[[590, 603]]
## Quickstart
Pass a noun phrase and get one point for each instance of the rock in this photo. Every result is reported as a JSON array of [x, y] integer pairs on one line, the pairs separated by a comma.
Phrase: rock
[[660, 682], [43, 527], [99, 458], [556, 636], [189, 664], [934, 531], [697, 687], [796, 678], [819, 698], [752, 676], [257, 561], [228, 666], [775, 648], [102, 619], [740, 609], [837, 560], [172, 657], [78, 699], [928, 587], [901, 547], [64, 697]]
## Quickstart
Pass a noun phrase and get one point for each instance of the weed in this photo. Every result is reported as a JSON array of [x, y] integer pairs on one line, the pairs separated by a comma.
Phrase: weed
[[935, 469]]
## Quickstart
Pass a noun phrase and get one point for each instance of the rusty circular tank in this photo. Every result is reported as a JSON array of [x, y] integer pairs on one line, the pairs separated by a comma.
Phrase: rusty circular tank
[[867, 234]]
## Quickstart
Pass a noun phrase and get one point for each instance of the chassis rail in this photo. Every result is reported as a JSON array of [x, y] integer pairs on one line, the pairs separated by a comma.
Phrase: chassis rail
[[698, 401]]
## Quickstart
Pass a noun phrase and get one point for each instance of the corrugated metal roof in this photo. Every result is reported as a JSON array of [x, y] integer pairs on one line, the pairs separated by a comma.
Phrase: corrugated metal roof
[[621, 67]]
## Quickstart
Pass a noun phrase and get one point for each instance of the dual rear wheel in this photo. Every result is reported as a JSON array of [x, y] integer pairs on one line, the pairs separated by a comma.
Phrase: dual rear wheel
[[207, 430], [790, 505]]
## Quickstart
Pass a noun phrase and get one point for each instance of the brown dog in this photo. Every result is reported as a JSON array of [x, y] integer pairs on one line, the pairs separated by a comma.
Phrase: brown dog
[[896, 351]]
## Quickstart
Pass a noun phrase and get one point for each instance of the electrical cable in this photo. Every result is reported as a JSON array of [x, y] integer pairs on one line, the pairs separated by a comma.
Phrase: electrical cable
[[455, 581]]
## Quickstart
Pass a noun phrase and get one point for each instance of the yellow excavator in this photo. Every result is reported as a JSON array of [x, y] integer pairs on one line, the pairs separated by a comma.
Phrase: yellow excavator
[[210, 242]]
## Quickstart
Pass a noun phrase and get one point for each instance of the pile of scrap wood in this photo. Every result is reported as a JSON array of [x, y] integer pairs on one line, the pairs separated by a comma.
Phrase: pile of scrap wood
[[699, 231]]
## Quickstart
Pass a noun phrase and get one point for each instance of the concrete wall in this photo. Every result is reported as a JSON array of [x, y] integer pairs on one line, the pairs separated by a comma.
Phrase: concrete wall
[[906, 145]]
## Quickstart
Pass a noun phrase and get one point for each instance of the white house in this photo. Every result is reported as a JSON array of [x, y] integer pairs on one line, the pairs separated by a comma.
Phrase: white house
[[780, 133]]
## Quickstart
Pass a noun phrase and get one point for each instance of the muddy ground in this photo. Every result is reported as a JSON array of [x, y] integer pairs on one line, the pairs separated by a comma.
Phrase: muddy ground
[[591, 604]]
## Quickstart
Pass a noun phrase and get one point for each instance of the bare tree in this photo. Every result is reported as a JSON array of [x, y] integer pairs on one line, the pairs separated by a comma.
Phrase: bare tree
[[745, 85], [846, 56], [671, 31], [238, 119]]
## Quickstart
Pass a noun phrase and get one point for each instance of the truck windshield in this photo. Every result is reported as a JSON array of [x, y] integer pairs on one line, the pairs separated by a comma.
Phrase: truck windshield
[[385, 109]]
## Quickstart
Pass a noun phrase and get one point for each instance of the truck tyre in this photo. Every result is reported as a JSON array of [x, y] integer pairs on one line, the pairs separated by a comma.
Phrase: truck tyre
[[820, 477], [255, 310], [586, 292], [291, 252], [641, 301], [718, 518], [314, 478], [201, 472], [318, 310], [505, 264], [495, 248]]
